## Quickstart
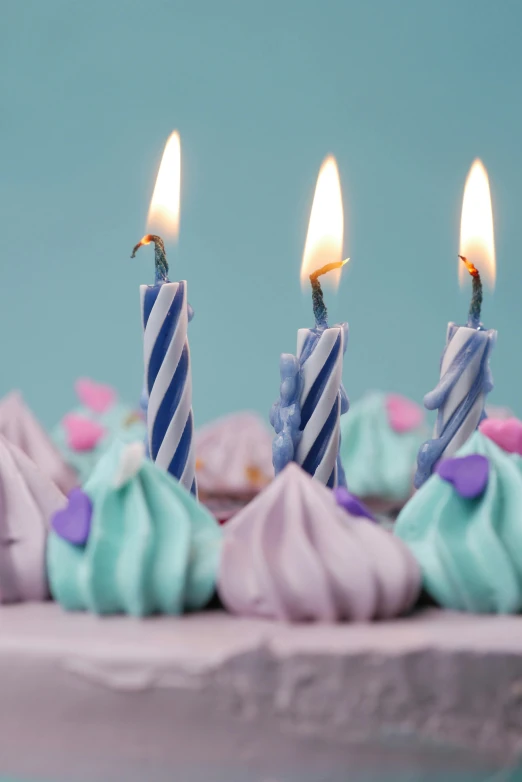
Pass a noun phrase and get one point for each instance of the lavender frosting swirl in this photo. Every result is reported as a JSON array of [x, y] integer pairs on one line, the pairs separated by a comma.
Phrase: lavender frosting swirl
[[293, 554], [28, 499]]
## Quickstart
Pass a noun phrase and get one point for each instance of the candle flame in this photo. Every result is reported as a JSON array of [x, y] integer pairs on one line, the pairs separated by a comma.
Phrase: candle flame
[[163, 218], [477, 240], [324, 240]]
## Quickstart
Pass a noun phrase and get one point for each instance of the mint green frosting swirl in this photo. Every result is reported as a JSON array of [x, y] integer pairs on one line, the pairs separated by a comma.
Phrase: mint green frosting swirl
[[470, 551], [378, 461], [121, 423], [152, 547]]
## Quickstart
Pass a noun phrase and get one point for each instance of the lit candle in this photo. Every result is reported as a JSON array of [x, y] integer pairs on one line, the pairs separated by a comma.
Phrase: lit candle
[[312, 396], [165, 316], [465, 376]]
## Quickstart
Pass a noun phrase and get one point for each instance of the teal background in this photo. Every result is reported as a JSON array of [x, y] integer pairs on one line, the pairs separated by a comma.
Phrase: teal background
[[405, 93]]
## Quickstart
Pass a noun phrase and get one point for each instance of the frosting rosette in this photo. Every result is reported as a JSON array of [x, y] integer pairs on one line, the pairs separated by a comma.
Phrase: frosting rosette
[[90, 430], [28, 499], [233, 456], [293, 554], [380, 438], [132, 541], [19, 425], [463, 527]]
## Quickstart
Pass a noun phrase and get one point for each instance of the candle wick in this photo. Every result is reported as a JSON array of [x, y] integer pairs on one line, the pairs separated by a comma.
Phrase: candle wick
[[319, 307], [475, 306], [160, 256]]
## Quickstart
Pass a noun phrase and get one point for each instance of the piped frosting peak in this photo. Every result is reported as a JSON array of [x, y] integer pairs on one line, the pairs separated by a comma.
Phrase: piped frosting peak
[[294, 554], [28, 499], [463, 526], [380, 438], [19, 425], [133, 541], [233, 455]]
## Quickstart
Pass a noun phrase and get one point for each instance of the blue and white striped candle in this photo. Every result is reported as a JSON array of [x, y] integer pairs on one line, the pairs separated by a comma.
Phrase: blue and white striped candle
[[322, 401], [465, 377], [306, 418], [165, 317], [465, 380]]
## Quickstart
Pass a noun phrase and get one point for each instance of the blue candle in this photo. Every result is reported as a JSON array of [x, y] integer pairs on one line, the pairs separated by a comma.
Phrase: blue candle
[[465, 380], [168, 384], [144, 397], [312, 397]]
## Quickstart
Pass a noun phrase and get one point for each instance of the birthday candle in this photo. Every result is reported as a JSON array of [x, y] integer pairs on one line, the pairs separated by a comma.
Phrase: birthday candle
[[144, 396], [165, 316], [465, 376], [312, 396]]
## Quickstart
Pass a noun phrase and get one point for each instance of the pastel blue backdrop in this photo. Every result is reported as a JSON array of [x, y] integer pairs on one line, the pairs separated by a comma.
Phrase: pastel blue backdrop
[[405, 93]]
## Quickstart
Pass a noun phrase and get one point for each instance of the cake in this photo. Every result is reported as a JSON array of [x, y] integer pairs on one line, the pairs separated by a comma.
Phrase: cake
[[280, 676], [20, 426], [87, 432], [380, 438], [282, 685]]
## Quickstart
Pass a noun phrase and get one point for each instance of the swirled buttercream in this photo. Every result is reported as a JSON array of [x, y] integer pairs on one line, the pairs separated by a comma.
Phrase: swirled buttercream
[[90, 430], [140, 544], [294, 554], [380, 438], [233, 456], [466, 534], [28, 498], [19, 425]]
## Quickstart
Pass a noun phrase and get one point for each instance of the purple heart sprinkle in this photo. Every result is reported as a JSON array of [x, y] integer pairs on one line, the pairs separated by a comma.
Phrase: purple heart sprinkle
[[352, 504], [73, 523], [467, 474]]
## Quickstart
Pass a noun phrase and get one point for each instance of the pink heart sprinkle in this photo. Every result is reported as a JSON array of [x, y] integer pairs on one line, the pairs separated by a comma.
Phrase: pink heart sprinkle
[[82, 434], [506, 433], [96, 396], [403, 414]]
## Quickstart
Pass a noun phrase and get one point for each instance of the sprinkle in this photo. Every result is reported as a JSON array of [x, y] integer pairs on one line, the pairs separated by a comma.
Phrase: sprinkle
[[467, 474], [73, 523]]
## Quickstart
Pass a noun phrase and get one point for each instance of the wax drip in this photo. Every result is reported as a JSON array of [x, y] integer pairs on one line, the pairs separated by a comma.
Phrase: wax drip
[[320, 311], [160, 256], [448, 426], [476, 294], [287, 416]]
